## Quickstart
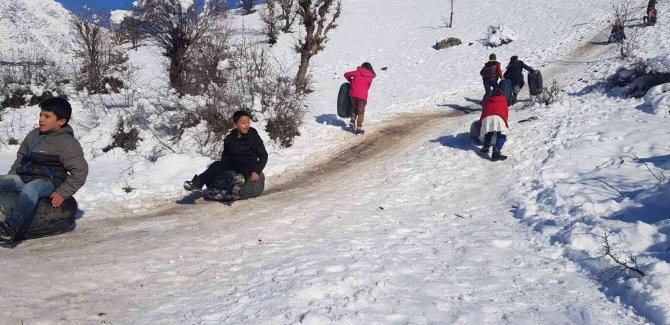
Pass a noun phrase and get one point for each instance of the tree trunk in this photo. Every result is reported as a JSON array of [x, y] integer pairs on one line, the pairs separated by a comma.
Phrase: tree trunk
[[451, 15], [301, 78]]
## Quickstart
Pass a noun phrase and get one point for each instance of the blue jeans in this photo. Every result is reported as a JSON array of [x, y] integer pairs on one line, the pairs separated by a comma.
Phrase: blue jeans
[[29, 195], [489, 85]]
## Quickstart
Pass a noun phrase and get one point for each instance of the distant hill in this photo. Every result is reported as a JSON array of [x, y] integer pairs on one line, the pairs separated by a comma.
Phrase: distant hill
[[34, 27]]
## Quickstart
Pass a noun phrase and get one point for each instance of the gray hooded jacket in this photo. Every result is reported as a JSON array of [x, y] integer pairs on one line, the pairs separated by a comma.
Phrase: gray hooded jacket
[[57, 156]]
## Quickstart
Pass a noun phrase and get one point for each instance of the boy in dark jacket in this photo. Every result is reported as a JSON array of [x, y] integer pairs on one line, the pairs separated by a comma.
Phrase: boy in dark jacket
[[242, 161], [514, 73], [490, 74], [49, 163]]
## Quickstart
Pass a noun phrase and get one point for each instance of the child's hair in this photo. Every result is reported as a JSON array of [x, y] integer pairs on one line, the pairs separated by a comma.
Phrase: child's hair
[[237, 115], [497, 92], [368, 66], [492, 57], [513, 59], [59, 106]]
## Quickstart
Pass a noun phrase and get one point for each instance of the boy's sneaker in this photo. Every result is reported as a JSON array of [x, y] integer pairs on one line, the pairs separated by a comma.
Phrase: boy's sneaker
[[359, 131], [352, 126], [194, 184], [7, 232]]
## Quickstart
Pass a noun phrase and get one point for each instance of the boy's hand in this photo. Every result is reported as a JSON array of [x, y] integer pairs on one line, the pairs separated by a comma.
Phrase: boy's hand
[[254, 177], [56, 199]]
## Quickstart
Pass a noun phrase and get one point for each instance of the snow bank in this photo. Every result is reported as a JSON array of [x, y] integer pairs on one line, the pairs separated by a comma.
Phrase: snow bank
[[659, 64], [659, 98], [500, 35]]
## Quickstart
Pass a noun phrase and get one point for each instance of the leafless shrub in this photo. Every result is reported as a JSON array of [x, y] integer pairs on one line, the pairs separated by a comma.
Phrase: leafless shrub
[[250, 66], [620, 10], [622, 263], [207, 65], [126, 137], [549, 95], [20, 72], [271, 19], [629, 45], [318, 17], [99, 58], [446, 43], [284, 105], [658, 174]]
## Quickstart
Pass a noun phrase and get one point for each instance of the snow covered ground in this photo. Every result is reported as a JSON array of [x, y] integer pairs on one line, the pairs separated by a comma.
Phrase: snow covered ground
[[416, 227]]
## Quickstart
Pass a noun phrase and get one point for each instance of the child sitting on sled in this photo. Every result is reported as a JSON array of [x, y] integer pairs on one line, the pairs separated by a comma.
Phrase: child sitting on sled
[[239, 173]]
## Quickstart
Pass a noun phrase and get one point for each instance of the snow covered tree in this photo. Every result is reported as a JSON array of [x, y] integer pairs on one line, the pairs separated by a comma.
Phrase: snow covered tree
[[271, 19], [176, 26], [318, 17]]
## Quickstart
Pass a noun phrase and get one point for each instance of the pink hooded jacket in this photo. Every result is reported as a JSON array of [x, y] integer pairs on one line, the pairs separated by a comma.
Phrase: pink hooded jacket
[[361, 80]]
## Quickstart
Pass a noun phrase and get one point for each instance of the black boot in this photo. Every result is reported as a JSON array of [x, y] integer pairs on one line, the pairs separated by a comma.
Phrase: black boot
[[193, 185], [484, 149], [497, 155]]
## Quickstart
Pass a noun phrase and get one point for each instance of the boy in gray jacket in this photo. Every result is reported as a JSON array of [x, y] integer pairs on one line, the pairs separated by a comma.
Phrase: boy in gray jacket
[[49, 163]]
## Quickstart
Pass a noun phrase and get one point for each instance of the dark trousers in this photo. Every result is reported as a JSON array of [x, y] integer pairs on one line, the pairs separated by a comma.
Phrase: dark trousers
[[221, 175], [500, 139], [217, 170], [489, 85]]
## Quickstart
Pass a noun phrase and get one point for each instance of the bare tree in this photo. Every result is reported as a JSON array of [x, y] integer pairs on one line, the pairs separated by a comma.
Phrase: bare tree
[[288, 13], [176, 28], [247, 6], [97, 55], [271, 19], [318, 17]]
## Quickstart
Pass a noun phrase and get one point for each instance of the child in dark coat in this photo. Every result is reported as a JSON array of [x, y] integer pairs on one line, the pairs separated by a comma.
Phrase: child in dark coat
[[239, 173], [514, 73]]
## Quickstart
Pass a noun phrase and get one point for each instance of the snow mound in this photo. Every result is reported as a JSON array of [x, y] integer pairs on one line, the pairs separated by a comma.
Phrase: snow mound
[[660, 64], [31, 27], [500, 35], [659, 98]]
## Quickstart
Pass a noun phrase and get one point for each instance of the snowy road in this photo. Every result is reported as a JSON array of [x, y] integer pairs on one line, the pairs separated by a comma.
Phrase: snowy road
[[406, 236]]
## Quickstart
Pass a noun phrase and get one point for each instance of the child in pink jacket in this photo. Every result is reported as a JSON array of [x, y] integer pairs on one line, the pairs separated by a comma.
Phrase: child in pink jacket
[[360, 80]]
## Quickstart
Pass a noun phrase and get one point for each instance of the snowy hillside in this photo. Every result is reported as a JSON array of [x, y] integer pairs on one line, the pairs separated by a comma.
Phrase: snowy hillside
[[34, 26], [407, 224]]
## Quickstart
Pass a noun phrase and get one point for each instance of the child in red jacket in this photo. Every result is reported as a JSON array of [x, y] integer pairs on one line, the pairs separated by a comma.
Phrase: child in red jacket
[[360, 80], [493, 122]]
